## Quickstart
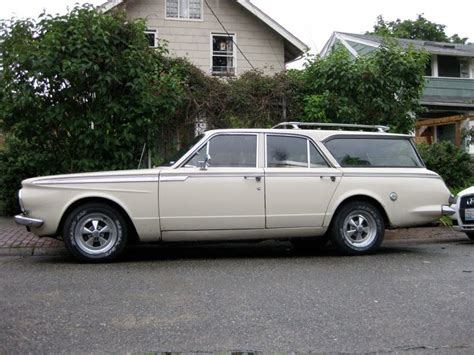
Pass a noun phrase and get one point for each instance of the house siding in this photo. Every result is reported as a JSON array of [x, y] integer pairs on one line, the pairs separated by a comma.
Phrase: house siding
[[455, 90], [263, 47]]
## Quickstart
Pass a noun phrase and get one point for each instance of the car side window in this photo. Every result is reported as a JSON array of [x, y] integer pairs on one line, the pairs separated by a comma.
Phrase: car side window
[[316, 159], [292, 152], [228, 151], [374, 152]]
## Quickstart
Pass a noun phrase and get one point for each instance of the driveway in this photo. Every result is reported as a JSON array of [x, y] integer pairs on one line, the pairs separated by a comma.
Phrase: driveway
[[413, 296]]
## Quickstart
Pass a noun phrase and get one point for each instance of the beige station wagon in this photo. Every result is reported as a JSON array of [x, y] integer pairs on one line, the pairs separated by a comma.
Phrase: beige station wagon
[[304, 182]]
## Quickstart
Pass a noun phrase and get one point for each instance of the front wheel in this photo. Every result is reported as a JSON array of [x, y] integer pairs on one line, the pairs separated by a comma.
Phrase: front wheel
[[470, 235], [358, 228], [95, 232]]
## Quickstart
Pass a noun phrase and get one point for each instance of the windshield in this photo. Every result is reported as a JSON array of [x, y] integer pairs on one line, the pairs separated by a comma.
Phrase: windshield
[[169, 161]]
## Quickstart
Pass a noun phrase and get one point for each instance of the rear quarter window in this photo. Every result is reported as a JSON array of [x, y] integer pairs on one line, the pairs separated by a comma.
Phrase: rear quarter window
[[374, 152]]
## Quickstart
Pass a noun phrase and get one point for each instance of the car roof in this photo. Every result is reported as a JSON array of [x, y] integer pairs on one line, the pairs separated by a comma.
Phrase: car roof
[[316, 134]]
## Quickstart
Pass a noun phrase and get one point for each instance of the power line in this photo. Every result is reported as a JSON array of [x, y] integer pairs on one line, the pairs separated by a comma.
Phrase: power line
[[228, 34]]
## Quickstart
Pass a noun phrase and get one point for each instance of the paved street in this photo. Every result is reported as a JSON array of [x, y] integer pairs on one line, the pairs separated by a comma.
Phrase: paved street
[[413, 296]]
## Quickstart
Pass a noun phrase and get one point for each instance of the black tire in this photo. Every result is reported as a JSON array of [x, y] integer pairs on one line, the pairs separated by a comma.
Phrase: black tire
[[107, 237], [304, 244], [357, 228], [470, 235]]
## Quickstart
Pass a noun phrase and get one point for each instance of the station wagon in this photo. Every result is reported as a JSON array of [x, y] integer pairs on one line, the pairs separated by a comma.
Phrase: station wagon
[[304, 182]]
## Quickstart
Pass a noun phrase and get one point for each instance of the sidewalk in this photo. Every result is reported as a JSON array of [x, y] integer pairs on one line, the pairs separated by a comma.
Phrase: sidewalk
[[15, 240]]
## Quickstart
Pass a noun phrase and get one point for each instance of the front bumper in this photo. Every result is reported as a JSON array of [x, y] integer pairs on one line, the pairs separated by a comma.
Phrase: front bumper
[[447, 210], [22, 220]]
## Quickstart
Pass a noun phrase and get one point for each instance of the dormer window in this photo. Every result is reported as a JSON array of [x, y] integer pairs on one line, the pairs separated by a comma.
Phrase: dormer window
[[184, 9]]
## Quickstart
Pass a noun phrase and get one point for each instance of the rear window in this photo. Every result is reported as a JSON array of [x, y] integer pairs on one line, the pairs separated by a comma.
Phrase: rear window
[[374, 152]]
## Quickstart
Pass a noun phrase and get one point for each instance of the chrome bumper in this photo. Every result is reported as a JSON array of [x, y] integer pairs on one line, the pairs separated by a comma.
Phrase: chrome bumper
[[27, 221], [447, 210]]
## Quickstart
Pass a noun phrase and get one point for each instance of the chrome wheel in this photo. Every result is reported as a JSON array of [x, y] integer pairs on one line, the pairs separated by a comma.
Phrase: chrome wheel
[[359, 229], [95, 233]]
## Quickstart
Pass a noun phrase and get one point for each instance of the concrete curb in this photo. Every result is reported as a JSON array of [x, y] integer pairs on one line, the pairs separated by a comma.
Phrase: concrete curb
[[434, 240], [31, 251]]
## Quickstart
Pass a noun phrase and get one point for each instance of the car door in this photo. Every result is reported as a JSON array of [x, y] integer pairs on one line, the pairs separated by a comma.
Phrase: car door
[[299, 182], [226, 195]]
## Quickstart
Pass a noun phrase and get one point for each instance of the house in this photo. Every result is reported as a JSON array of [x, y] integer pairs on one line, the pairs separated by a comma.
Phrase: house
[[448, 95], [221, 37]]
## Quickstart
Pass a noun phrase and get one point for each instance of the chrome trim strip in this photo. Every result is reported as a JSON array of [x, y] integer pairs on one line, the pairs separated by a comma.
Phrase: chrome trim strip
[[27, 221], [295, 174], [97, 179], [173, 178], [393, 175], [207, 174]]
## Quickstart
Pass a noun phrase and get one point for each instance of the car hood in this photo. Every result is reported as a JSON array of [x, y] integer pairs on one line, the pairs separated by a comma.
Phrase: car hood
[[96, 177], [468, 191]]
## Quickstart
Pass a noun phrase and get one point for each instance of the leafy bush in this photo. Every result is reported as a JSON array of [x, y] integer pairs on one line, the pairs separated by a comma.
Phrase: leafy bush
[[452, 163], [79, 92], [382, 88]]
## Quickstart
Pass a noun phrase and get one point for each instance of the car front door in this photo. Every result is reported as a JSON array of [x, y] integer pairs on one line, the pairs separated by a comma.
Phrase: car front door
[[299, 182], [228, 194]]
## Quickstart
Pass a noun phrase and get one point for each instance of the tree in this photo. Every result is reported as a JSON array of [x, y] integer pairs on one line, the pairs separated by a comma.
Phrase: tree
[[79, 92], [421, 28], [381, 88]]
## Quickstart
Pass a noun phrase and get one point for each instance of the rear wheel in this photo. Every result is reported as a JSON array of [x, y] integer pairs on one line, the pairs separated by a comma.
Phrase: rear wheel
[[358, 228], [95, 232], [470, 235]]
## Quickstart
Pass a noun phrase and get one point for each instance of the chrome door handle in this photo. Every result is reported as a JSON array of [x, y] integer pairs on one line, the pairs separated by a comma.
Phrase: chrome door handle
[[333, 178], [258, 178]]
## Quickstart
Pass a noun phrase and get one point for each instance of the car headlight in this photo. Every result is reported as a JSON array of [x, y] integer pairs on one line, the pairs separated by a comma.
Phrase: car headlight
[[452, 199], [20, 201]]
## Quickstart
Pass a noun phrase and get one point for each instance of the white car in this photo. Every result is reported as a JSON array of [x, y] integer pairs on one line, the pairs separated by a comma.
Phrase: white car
[[296, 181], [463, 219]]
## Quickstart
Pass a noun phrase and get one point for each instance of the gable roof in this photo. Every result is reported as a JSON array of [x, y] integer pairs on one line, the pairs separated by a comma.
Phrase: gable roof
[[294, 48], [440, 48]]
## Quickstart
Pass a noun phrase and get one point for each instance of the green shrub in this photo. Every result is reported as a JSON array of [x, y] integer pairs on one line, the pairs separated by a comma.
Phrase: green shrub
[[452, 163], [79, 92]]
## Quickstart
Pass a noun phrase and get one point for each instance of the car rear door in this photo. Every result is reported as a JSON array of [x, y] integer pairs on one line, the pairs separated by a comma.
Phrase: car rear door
[[299, 182]]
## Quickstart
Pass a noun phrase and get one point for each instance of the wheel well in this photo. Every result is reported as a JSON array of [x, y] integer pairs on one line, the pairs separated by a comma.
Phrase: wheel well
[[133, 235], [368, 199]]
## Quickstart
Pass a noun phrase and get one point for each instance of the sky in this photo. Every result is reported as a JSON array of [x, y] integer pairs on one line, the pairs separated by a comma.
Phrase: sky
[[312, 21]]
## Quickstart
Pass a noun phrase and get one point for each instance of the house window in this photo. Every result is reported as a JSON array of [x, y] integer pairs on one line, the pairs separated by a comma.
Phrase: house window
[[184, 9], [223, 54], [449, 66], [151, 38]]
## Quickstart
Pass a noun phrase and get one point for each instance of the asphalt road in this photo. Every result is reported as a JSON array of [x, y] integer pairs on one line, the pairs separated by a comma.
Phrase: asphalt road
[[410, 297]]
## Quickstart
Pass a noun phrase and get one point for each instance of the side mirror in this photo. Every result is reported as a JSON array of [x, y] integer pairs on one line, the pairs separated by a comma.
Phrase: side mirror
[[205, 164]]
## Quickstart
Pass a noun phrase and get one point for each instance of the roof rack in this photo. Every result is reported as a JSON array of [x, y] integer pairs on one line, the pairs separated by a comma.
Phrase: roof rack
[[302, 125]]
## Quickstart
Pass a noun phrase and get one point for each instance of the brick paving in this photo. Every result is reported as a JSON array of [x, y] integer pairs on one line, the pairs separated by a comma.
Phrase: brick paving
[[14, 236]]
